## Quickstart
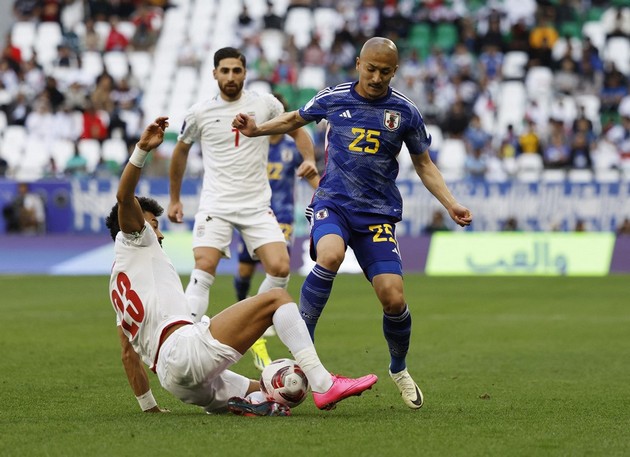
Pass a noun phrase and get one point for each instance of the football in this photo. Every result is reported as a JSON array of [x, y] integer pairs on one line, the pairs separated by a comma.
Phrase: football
[[284, 381]]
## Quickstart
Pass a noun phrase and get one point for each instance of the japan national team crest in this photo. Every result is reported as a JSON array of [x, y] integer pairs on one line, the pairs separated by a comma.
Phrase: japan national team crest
[[391, 119], [321, 214]]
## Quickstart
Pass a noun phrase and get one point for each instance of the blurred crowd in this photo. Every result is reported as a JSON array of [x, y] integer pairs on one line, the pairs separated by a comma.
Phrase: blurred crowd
[[453, 62]]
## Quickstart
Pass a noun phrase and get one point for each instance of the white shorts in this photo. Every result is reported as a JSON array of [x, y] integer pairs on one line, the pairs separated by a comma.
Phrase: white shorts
[[192, 366], [257, 228]]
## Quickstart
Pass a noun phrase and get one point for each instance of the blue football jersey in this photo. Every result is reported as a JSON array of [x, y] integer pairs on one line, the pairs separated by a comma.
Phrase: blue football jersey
[[284, 160], [363, 140]]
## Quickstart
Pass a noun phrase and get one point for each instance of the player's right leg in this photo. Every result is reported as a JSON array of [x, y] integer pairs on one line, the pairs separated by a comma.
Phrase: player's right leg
[[240, 325], [211, 241]]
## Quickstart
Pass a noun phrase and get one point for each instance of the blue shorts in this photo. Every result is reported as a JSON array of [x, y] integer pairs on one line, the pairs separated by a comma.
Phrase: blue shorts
[[243, 254], [372, 237]]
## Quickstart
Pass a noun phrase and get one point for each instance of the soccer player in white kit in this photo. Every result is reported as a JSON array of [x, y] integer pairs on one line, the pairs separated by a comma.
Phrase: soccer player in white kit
[[191, 359], [235, 192]]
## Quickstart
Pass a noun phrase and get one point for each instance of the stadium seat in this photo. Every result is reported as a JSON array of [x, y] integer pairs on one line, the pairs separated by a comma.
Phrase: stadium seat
[[610, 175], [514, 63], [446, 36], [617, 50], [312, 77], [116, 64], [23, 36], [437, 138], [419, 39], [115, 149], [127, 28], [580, 176], [299, 23], [596, 33], [272, 43], [62, 151], [529, 162], [326, 23], [553, 176], [451, 159], [90, 150], [140, 62], [262, 87], [511, 105], [538, 82], [91, 65]]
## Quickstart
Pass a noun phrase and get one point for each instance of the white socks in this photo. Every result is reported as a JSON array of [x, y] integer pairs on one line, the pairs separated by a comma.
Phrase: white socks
[[271, 282], [198, 293], [293, 333]]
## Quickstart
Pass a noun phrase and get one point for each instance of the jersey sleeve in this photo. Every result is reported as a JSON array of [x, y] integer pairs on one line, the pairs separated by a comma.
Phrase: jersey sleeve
[[274, 107], [416, 138], [315, 109], [189, 132], [143, 238]]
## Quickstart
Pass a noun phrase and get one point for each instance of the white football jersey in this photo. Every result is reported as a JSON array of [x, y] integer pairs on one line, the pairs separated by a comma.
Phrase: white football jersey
[[235, 166], [145, 290]]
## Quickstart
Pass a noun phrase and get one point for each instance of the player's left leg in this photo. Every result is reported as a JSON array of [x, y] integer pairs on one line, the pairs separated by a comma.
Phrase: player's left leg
[[374, 243], [265, 242], [245, 272]]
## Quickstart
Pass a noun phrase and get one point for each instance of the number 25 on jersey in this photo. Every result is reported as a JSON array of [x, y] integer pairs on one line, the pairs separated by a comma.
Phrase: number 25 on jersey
[[365, 140]]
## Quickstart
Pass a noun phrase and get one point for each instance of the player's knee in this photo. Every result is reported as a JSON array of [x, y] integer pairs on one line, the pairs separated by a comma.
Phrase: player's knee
[[279, 268], [392, 300], [206, 264], [277, 297], [330, 259]]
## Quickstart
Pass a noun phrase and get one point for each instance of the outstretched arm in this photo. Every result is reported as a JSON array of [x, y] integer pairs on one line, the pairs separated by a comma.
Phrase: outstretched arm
[[130, 215], [137, 376], [434, 182], [284, 123], [308, 168]]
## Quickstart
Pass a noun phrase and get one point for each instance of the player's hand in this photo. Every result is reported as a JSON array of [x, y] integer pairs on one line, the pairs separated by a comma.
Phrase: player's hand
[[245, 124], [153, 135], [157, 409], [460, 214], [307, 169], [175, 212]]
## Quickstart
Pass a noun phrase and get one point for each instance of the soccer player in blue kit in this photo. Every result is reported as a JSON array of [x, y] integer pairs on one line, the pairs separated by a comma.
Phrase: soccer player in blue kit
[[357, 203]]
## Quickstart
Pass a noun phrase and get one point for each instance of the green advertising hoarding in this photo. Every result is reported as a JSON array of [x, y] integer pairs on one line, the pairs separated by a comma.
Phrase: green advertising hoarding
[[515, 253]]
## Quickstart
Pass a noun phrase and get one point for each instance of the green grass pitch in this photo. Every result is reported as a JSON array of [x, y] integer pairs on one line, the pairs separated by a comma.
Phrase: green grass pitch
[[509, 367]]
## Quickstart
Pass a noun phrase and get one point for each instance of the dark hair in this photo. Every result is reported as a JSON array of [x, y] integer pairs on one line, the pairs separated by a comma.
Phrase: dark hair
[[229, 53], [282, 100], [146, 203]]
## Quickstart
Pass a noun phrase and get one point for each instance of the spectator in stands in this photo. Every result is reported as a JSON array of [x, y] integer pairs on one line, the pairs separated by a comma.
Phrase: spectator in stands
[[490, 62], [529, 141], [313, 54], [580, 154], [147, 21], [4, 167], [100, 97], [475, 136], [619, 27], [566, 79], [93, 125], [510, 225], [271, 20], [26, 214], [76, 166], [476, 164], [52, 92], [116, 40], [90, 40], [40, 123], [624, 228], [17, 110], [66, 57], [556, 153], [615, 88], [12, 53], [580, 226], [456, 120], [437, 224]]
